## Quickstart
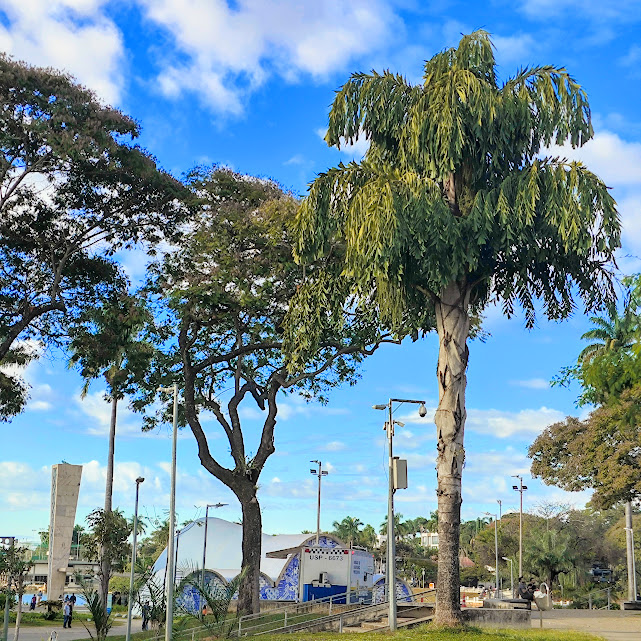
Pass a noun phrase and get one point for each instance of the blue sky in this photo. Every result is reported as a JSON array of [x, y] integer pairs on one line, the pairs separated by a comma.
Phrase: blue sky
[[248, 83]]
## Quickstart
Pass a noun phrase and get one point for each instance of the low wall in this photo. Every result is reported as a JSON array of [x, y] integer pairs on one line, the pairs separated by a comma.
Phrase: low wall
[[491, 618]]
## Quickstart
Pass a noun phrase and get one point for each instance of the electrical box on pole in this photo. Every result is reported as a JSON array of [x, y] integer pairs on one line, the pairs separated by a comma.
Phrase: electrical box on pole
[[400, 473]]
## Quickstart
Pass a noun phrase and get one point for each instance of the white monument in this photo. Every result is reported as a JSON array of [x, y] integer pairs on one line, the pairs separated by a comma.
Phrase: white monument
[[65, 485]]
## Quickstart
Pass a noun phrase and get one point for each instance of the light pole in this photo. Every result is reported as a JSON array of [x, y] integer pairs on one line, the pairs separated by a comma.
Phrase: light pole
[[169, 621], [520, 488], [139, 480], [320, 472], [496, 552], [500, 506], [10, 541], [511, 574], [390, 569], [202, 571]]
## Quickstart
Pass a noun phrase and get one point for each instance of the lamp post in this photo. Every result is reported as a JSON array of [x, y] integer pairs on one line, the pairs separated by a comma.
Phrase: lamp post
[[511, 574], [10, 541], [202, 571], [169, 621], [520, 488], [390, 570], [500, 508], [320, 472], [496, 552], [139, 480]]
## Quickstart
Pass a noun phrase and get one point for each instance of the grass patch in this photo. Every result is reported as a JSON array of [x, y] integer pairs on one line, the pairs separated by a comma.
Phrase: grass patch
[[423, 633], [36, 619], [431, 633]]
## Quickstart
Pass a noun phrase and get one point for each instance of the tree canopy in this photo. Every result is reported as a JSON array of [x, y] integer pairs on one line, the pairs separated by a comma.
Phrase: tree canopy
[[455, 205], [74, 188], [222, 298]]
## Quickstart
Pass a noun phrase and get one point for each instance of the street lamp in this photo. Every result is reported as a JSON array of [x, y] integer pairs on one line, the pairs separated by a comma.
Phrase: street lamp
[[202, 571], [496, 552], [139, 480], [321, 472], [391, 543], [511, 574], [500, 507], [169, 621], [520, 488]]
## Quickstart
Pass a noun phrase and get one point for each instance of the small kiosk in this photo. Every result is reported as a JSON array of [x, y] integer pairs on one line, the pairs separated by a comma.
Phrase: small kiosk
[[325, 572]]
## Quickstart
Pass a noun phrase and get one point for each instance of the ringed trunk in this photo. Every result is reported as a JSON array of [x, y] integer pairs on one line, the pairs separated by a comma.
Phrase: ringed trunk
[[453, 326], [249, 590]]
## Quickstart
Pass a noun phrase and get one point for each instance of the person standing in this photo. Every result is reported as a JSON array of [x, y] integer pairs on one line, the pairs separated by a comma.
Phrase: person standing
[[66, 611], [145, 615], [33, 603]]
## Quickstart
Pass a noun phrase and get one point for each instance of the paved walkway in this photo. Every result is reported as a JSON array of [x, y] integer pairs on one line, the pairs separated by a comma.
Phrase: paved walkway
[[613, 625], [77, 631]]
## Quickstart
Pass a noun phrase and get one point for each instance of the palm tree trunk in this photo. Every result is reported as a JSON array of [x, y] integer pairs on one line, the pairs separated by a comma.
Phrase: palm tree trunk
[[453, 326], [249, 590], [105, 562]]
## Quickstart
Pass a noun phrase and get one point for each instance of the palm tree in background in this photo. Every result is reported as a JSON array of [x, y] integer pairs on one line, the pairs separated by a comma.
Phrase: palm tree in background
[[109, 343], [613, 333], [348, 530]]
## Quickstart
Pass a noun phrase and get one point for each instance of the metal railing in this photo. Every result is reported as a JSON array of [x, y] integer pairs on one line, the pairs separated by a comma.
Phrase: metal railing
[[605, 607], [290, 612]]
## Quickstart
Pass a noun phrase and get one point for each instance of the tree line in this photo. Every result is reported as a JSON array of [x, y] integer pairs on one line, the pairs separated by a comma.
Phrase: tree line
[[256, 291]]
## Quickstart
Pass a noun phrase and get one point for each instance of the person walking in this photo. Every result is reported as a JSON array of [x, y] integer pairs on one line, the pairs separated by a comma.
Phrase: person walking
[[66, 611], [33, 603]]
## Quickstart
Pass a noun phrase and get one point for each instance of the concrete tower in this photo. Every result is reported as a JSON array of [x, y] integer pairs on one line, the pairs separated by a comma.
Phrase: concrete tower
[[65, 485]]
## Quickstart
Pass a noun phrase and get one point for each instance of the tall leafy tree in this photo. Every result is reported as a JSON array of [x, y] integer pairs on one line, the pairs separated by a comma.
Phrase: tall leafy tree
[[223, 296], [74, 188], [606, 445], [455, 207], [107, 342], [15, 565]]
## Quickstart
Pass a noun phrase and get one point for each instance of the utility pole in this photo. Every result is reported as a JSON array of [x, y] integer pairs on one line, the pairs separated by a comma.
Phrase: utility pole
[[320, 472], [130, 600], [520, 488], [629, 540], [390, 568], [496, 552], [171, 570], [202, 570]]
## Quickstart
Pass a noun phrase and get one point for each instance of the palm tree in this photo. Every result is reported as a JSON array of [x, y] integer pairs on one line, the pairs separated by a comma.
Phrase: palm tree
[[108, 343], [549, 554], [348, 530], [452, 208], [614, 333]]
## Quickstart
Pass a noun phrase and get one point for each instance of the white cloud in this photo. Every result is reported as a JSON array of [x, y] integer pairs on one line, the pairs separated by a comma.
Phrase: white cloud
[[532, 383], [355, 150], [504, 424], [335, 446], [225, 52], [516, 48], [616, 161], [627, 10], [75, 36]]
